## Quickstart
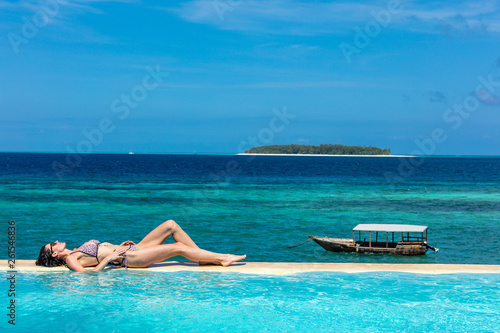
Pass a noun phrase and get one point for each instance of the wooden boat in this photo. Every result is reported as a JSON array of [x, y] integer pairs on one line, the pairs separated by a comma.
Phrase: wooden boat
[[401, 239]]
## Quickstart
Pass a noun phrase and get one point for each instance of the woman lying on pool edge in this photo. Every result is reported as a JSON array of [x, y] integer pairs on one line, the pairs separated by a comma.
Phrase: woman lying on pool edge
[[149, 250]]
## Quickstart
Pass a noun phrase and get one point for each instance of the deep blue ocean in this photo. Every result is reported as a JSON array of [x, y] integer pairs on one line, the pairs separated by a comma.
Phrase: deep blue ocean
[[253, 205]]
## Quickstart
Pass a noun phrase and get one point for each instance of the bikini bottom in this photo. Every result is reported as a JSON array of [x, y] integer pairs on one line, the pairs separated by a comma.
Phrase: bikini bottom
[[123, 262]]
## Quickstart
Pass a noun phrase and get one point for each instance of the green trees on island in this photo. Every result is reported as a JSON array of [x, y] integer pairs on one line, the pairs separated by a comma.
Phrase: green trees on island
[[324, 149]]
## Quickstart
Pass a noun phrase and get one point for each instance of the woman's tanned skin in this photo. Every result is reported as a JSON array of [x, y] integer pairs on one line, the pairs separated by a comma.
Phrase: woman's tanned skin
[[151, 250]]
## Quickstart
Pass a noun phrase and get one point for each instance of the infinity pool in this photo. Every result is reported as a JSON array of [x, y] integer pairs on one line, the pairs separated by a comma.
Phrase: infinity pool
[[119, 301]]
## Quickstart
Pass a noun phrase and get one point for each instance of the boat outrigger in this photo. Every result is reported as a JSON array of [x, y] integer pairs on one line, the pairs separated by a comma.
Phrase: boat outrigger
[[401, 239]]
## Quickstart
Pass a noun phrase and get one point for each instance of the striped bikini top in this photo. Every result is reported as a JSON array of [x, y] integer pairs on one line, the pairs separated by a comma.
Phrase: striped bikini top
[[90, 249]]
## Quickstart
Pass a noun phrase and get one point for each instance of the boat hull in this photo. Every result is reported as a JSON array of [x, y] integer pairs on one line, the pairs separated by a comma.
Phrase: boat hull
[[348, 245]]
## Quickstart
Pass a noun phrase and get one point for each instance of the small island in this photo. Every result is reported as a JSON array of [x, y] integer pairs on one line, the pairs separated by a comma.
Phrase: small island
[[323, 149]]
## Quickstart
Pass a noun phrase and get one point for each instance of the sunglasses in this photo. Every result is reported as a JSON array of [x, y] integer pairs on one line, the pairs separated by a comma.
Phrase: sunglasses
[[51, 244]]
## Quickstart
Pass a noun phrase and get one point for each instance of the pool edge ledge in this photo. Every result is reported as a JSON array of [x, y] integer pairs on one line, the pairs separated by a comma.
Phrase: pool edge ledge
[[283, 268]]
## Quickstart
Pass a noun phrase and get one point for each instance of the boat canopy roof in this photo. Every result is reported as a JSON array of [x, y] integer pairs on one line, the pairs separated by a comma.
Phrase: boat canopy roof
[[390, 227]]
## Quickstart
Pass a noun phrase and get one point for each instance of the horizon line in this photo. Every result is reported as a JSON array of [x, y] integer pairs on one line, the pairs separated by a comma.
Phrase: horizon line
[[236, 153]]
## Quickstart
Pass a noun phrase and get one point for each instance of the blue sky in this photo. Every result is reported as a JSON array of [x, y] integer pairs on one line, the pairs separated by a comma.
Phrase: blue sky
[[219, 76]]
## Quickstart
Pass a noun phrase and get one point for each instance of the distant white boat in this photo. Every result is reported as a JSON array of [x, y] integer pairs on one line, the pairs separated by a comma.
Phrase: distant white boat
[[131, 153]]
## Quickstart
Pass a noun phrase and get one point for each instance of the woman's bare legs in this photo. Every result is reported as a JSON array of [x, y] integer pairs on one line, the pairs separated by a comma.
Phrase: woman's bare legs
[[158, 253], [162, 232]]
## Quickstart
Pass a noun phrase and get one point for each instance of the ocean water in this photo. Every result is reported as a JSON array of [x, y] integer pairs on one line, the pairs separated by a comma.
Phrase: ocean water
[[254, 205]]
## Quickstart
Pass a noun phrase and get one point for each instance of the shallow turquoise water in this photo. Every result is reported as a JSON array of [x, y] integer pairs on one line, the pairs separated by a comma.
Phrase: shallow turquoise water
[[119, 301], [269, 203]]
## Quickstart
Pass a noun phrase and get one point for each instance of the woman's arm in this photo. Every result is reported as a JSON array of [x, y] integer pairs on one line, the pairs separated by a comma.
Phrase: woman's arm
[[75, 265]]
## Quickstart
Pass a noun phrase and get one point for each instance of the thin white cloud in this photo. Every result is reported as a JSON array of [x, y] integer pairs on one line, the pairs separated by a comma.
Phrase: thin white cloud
[[467, 16], [66, 7], [277, 16], [59, 14], [310, 18]]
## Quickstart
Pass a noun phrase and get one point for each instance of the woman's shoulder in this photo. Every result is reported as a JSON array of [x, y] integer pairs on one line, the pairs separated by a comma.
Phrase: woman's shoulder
[[75, 254]]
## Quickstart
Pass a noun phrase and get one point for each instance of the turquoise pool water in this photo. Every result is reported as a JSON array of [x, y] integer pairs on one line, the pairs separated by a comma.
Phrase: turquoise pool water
[[119, 301]]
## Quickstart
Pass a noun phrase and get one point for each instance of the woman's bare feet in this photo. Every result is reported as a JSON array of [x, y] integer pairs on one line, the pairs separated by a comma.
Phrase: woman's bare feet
[[232, 258]]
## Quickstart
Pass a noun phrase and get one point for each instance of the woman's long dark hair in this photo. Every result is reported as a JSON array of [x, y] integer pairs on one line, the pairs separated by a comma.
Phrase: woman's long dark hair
[[46, 259]]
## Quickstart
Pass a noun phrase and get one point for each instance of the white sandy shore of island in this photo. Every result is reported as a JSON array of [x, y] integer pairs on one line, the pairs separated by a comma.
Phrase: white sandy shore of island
[[250, 154], [280, 268]]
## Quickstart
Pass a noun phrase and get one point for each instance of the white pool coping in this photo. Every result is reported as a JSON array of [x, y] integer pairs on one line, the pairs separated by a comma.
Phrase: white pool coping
[[281, 268]]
